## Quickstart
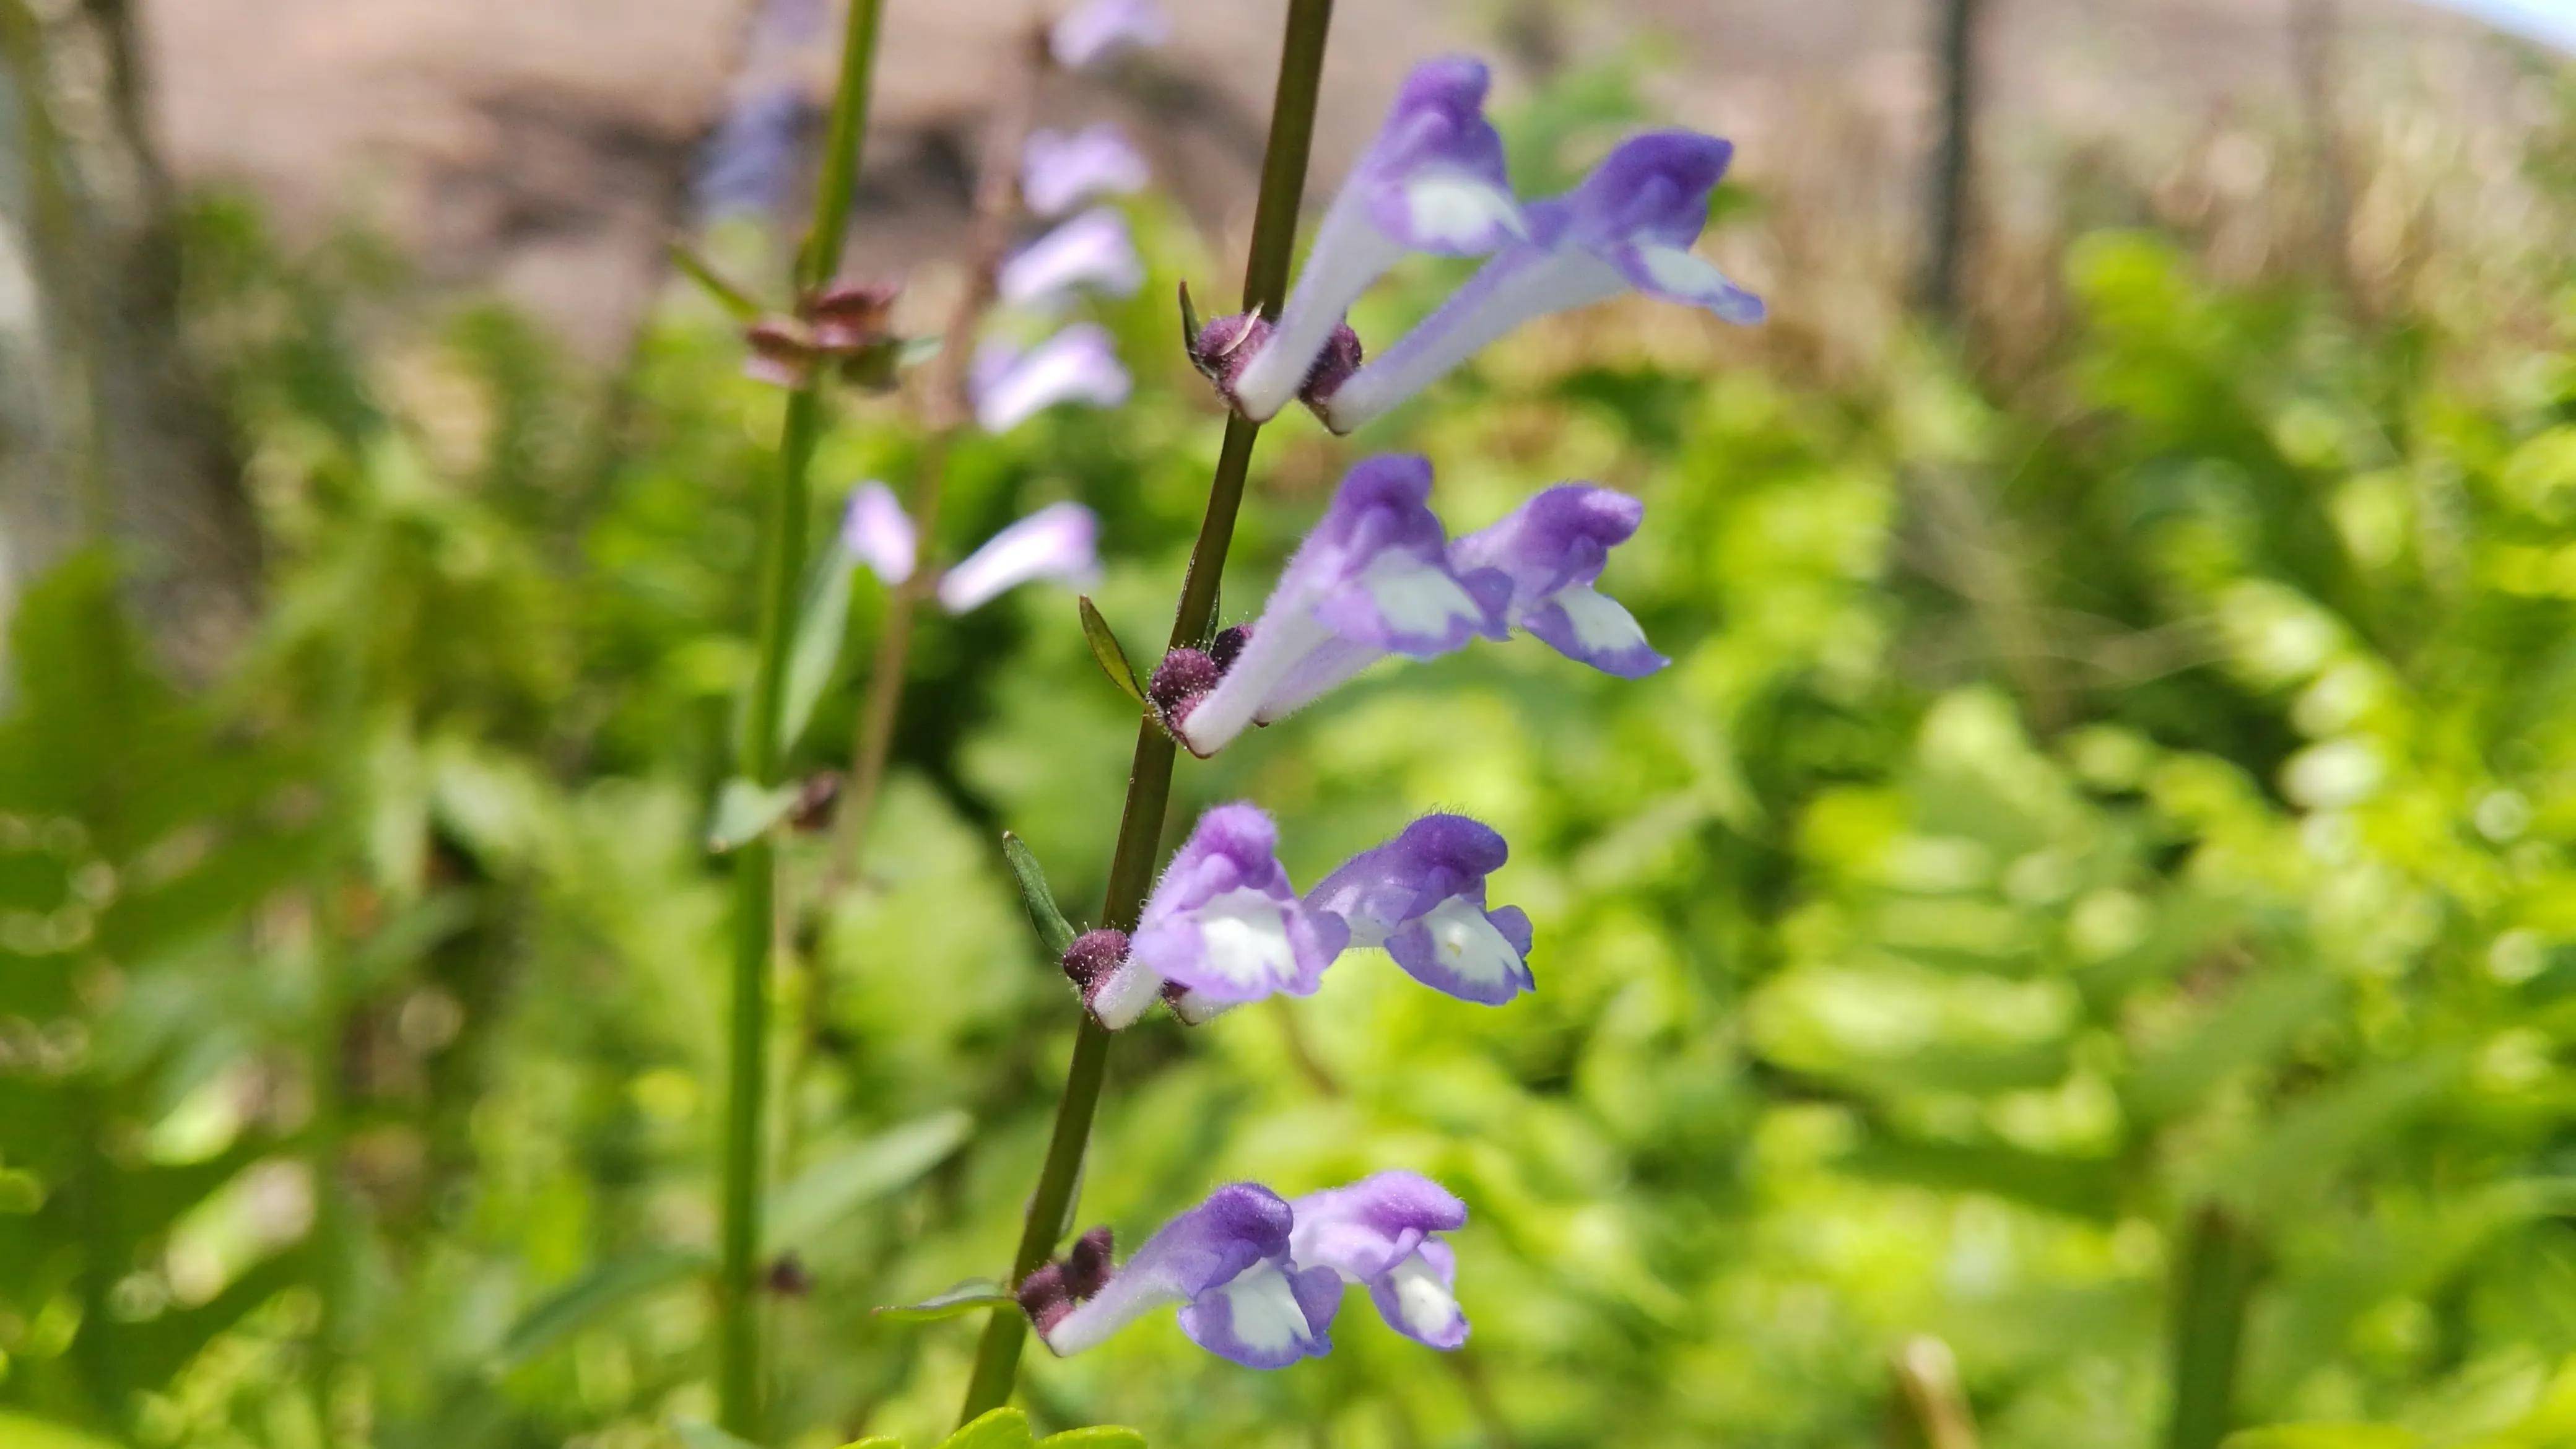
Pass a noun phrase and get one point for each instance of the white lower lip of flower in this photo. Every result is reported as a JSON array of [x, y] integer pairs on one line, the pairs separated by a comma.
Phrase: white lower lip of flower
[[1243, 935], [1416, 597], [1600, 623], [1422, 1300], [1266, 1316], [1126, 995], [1467, 943], [1684, 274], [1517, 285], [1458, 210]]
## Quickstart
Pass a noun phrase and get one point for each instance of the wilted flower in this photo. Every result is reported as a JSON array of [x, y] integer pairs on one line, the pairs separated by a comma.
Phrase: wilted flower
[[1379, 1232], [1432, 181], [1629, 225], [1057, 542], [1092, 250], [1078, 364], [1421, 895], [1552, 549], [1226, 1262], [1223, 926], [1373, 578], [1060, 170], [1096, 30]]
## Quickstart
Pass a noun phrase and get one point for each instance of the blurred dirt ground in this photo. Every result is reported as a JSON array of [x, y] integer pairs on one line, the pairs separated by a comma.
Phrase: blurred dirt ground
[[542, 146]]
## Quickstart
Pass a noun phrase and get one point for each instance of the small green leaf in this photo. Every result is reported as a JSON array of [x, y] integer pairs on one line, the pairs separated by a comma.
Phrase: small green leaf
[[832, 1189], [970, 1296], [1053, 929], [745, 811], [23, 1432], [699, 1434], [822, 624], [1094, 1436], [703, 272], [1105, 648], [593, 1296], [1000, 1429], [1189, 324]]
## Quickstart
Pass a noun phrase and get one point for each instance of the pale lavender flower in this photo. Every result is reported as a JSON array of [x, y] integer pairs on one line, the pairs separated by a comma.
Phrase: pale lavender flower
[[751, 159], [1060, 170], [1227, 1263], [1058, 542], [1628, 226], [876, 531], [1078, 364], [1552, 549], [1380, 1232], [1421, 895], [1223, 925], [1373, 578], [1432, 181], [1096, 30], [1093, 250]]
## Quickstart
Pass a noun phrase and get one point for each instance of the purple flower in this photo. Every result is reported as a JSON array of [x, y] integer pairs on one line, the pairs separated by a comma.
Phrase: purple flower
[[751, 159], [1432, 181], [1078, 364], [1092, 250], [1057, 542], [1096, 30], [1223, 925], [1226, 1262], [1378, 1232], [1629, 225], [1060, 170], [1422, 897], [1552, 549], [1373, 578]]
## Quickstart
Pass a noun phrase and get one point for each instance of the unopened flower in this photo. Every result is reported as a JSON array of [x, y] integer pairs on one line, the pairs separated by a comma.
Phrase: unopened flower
[[1096, 30], [1059, 542], [1223, 925], [1078, 364], [1421, 895], [843, 325], [1432, 181], [1552, 549], [1628, 226], [1382, 1232], [1373, 578], [1091, 251], [1226, 1263], [1060, 170]]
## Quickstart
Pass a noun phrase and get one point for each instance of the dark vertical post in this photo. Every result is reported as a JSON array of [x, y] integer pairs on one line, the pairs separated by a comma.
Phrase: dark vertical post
[[1953, 159]]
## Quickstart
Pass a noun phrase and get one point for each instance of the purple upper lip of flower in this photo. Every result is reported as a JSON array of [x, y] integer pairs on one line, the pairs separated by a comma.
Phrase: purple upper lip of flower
[[1421, 895]]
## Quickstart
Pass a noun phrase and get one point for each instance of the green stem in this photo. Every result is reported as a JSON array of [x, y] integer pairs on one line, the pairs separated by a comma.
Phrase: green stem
[[1149, 779], [782, 553], [2213, 1289]]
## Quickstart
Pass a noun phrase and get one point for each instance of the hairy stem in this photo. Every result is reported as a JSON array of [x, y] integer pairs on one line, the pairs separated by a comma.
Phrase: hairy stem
[[1149, 780], [782, 553]]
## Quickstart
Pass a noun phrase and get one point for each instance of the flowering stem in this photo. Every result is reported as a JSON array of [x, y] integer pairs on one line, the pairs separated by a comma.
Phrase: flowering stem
[[1149, 780], [782, 552]]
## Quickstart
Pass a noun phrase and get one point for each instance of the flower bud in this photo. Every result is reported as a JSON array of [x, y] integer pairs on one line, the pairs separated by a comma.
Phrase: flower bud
[[1092, 955]]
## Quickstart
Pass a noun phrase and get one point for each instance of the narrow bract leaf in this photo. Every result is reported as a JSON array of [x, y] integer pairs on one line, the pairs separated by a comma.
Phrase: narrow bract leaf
[[703, 272], [1052, 926], [832, 1189], [973, 1295], [596, 1295], [1105, 648], [820, 630], [1000, 1429], [744, 811]]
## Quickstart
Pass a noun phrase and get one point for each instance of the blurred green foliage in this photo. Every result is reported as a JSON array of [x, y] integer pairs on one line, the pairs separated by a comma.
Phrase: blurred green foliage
[[2093, 889]]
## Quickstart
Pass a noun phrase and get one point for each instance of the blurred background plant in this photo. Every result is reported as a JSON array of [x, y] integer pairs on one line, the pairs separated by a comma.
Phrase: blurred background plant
[[2077, 951]]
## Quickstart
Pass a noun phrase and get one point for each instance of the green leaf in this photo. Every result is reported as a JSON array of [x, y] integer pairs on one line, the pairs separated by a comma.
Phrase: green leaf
[[745, 812], [1053, 929], [593, 1296], [1106, 649], [21, 1431], [821, 626], [875, 1441], [2322, 1436], [829, 1191], [2081, 1187], [1000, 1429], [699, 1434], [703, 272], [970, 1296], [1094, 1436]]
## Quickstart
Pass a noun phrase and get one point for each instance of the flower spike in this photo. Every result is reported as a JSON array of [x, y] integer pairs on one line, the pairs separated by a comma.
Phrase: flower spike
[[1422, 897], [1432, 181], [1628, 226]]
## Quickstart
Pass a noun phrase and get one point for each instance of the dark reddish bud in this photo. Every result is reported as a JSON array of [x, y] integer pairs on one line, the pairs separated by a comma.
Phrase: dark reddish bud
[[849, 316], [788, 1278], [1225, 346], [1180, 679], [781, 352], [1043, 1298], [1092, 956], [816, 800], [1340, 358], [1087, 1265], [1227, 644]]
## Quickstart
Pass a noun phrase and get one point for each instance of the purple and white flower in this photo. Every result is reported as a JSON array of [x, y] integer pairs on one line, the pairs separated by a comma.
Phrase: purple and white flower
[[1078, 364], [1059, 542], [1223, 926], [1097, 30], [1381, 1232], [1432, 181], [1628, 226], [1093, 250], [1552, 549], [1227, 1264], [1373, 578], [1421, 896], [1060, 170]]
